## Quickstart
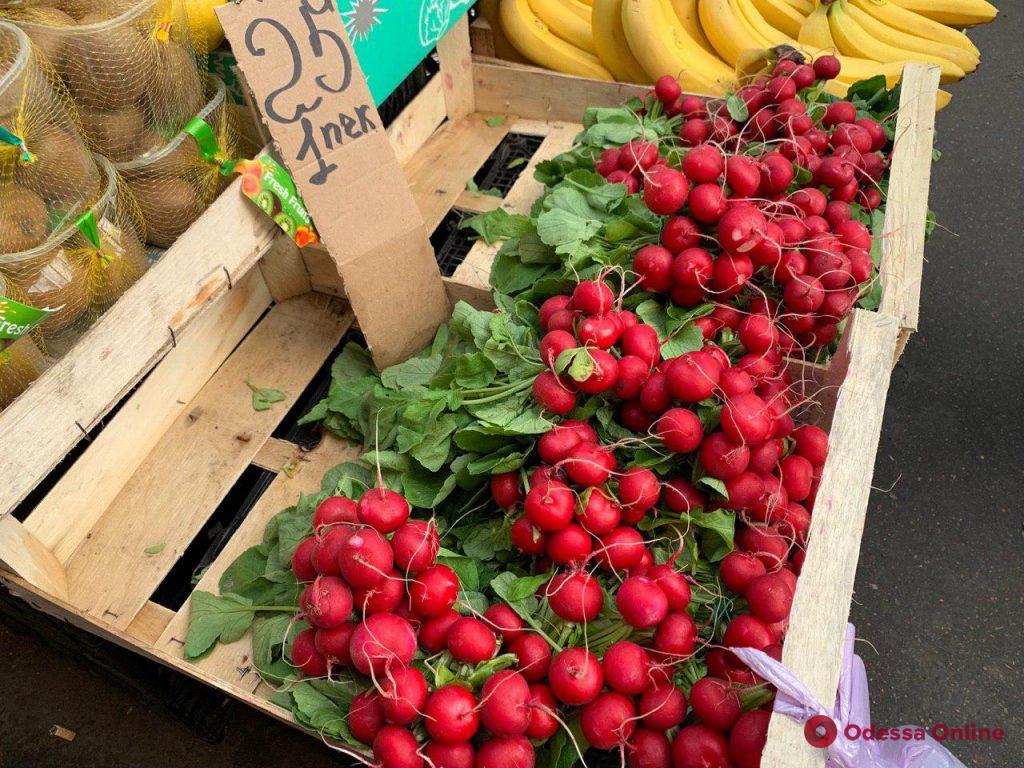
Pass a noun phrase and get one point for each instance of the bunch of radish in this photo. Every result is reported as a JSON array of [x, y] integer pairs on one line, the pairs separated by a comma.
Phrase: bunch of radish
[[741, 224]]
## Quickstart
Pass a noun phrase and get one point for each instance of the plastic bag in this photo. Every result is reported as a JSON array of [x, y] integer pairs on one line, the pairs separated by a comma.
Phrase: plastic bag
[[175, 183]]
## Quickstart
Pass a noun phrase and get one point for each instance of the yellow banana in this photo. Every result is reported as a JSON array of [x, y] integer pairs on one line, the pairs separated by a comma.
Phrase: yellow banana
[[502, 47], [854, 40], [955, 13], [916, 24], [728, 33], [815, 34], [882, 32], [565, 23], [686, 12], [534, 40], [803, 7], [783, 17], [765, 31], [662, 47], [580, 9], [612, 46]]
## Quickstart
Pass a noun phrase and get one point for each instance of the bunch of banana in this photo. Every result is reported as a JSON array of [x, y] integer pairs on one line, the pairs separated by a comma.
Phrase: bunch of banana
[[703, 41]]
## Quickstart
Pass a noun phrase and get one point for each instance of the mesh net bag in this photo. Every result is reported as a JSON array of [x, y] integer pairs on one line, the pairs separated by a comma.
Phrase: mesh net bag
[[130, 65], [47, 176], [176, 182], [21, 363], [81, 270]]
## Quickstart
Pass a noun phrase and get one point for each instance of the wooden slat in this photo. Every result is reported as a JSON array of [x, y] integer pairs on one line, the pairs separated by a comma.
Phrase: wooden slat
[[39, 428], [475, 271], [456, 60], [150, 623], [438, 172], [70, 510], [24, 554], [481, 38], [284, 270], [474, 202], [418, 121], [541, 94], [907, 200], [276, 454], [821, 607], [231, 662], [199, 458]]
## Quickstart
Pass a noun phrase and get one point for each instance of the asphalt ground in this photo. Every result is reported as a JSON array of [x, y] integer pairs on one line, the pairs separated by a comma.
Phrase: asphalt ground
[[938, 606]]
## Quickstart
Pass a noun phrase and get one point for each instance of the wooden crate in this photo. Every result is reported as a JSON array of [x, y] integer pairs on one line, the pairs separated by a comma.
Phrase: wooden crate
[[559, 100], [228, 304]]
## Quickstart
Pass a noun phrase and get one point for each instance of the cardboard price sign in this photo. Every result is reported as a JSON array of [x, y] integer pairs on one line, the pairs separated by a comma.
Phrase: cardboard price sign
[[313, 97]]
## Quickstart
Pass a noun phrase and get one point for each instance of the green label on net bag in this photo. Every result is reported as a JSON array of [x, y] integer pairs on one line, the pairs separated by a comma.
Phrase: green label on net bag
[[17, 319], [267, 183]]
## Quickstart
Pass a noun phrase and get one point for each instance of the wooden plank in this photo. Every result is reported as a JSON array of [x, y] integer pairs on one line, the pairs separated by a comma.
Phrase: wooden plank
[[906, 206], [24, 554], [231, 662], [474, 202], [541, 94], [322, 270], [821, 607], [481, 38], [150, 623], [276, 454], [70, 510], [284, 270], [38, 429], [438, 172], [418, 121], [204, 451], [456, 74], [475, 271]]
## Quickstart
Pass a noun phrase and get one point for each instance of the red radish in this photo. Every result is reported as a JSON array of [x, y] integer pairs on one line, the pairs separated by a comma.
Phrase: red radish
[[648, 749], [365, 558], [626, 668], [665, 191], [662, 707], [622, 177], [748, 737], [302, 560], [471, 641], [667, 89], [621, 549], [604, 376], [600, 331], [642, 341], [741, 230], [633, 373], [681, 496], [703, 163], [680, 233], [811, 443], [555, 343], [433, 634], [693, 268], [697, 746], [505, 489], [380, 641], [333, 644], [676, 636], [588, 465], [505, 622], [730, 274], [797, 476], [608, 721], [634, 418], [653, 264], [735, 381], [721, 663], [325, 555], [608, 161], [707, 203], [403, 695], [396, 747], [505, 704], [506, 752], [415, 545], [744, 491], [450, 715], [543, 707], [335, 510], [550, 505], [742, 175], [826, 67], [555, 444], [598, 514], [575, 597], [440, 755], [746, 420], [554, 394], [641, 602], [739, 569], [639, 488], [305, 656], [637, 155], [722, 458], [550, 307], [694, 132], [563, 320], [673, 584], [655, 397], [570, 545], [434, 591], [746, 631], [383, 509], [770, 598], [764, 541], [365, 716], [693, 377], [715, 703], [385, 596], [758, 333], [534, 656], [575, 676], [527, 538], [593, 297], [795, 523]]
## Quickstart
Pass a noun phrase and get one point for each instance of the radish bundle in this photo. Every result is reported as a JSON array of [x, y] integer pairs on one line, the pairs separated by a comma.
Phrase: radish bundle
[[617, 461]]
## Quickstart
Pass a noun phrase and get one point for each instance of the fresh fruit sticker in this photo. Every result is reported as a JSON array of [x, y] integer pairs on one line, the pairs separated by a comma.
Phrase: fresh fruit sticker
[[267, 183], [17, 319]]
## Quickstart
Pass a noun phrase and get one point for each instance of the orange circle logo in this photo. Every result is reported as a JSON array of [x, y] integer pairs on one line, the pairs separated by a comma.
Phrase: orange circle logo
[[820, 731]]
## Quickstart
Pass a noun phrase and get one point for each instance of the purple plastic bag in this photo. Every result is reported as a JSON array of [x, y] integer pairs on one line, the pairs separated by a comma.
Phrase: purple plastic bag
[[852, 705]]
